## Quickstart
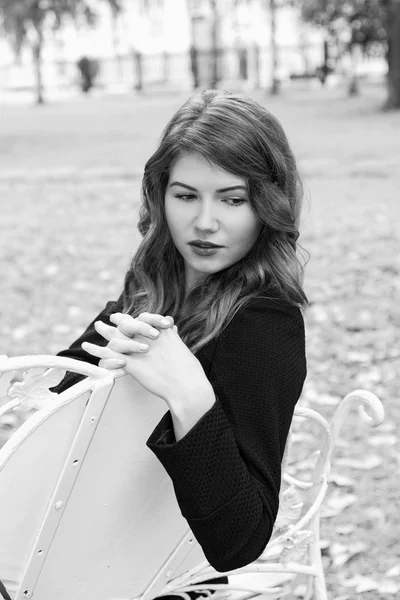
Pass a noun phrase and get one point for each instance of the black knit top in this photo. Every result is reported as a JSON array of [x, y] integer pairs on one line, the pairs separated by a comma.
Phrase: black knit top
[[226, 471]]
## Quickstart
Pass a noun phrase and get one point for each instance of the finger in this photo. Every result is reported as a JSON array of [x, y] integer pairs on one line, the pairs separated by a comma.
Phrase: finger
[[117, 318], [98, 351], [107, 331], [127, 346], [112, 363], [130, 326], [158, 321]]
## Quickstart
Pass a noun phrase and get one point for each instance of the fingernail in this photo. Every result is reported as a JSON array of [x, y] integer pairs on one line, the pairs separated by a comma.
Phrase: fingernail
[[165, 322], [121, 363], [143, 346]]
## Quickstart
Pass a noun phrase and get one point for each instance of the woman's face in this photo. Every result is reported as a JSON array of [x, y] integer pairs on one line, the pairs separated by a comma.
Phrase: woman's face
[[203, 201]]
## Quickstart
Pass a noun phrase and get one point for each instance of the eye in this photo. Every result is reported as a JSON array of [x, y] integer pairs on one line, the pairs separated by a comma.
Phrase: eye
[[234, 201], [184, 197], [239, 200]]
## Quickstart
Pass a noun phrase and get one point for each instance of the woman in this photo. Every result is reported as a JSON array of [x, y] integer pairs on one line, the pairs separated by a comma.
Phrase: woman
[[223, 174]]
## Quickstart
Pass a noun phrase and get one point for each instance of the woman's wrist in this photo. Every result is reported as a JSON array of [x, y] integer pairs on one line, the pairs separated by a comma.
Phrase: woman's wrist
[[188, 405]]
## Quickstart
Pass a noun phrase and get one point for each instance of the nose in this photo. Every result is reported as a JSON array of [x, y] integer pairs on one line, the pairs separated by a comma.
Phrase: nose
[[205, 219]]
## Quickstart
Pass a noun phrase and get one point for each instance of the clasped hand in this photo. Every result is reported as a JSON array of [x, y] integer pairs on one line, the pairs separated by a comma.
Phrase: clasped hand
[[167, 367]]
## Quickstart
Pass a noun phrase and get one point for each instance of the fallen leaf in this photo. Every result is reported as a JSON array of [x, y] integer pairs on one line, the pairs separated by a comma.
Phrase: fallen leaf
[[345, 529], [387, 427], [301, 437], [389, 587], [300, 591], [393, 571], [361, 583], [341, 480], [74, 311], [61, 328], [382, 440], [19, 333], [51, 270], [319, 313], [376, 515], [342, 443], [358, 357], [104, 275], [334, 505], [326, 400], [342, 553], [337, 548], [371, 461]]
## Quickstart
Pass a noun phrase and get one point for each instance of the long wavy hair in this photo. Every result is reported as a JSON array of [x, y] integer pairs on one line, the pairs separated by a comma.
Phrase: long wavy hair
[[240, 136]]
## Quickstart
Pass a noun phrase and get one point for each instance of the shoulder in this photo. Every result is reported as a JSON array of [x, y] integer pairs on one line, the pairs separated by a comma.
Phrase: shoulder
[[268, 312], [262, 328], [261, 325]]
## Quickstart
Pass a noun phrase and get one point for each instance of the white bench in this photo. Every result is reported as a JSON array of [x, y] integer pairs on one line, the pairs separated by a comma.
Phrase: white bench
[[87, 512]]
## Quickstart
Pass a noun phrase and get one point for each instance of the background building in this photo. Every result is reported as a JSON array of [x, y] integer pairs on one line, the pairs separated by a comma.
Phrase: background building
[[151, 42]]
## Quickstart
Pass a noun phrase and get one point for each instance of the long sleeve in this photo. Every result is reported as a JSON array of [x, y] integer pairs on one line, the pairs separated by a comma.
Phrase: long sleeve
[[226, 471], [89, 335]]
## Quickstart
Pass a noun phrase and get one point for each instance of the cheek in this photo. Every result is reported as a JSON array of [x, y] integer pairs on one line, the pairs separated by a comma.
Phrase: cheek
[[173, 216], [168, 213], [247, 235]]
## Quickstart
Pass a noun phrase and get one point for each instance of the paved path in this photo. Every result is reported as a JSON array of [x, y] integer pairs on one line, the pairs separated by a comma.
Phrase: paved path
[[112, 136]]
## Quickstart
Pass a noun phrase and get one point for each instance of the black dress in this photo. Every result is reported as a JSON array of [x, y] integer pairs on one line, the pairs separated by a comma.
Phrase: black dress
[[226, 471]]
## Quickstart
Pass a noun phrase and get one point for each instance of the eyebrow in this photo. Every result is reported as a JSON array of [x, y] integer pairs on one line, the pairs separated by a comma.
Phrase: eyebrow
[[227, 189]]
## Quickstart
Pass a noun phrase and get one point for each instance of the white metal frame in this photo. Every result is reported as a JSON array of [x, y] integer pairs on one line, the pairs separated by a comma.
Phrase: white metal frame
[[293, 553]]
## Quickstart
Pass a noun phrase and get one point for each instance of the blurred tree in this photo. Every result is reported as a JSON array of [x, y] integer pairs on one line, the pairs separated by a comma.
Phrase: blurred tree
[[115, 12], [357, 23], [275, 83], [193, 10], [23, 21], [393, 29], [214, 44], [201, 12]]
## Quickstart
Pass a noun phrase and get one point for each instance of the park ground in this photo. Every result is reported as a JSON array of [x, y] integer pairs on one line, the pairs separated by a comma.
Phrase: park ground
[[70, 190]]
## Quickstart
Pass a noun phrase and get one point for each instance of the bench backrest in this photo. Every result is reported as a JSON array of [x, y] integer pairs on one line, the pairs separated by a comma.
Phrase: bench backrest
[[86, 509], [88, 512]]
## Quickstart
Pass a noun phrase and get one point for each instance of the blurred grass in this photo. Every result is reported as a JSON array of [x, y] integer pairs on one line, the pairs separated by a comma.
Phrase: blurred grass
[[70, 181]]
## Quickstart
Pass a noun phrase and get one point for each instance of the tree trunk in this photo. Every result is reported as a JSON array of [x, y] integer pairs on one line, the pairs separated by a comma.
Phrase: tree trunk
[[37, 58], [214, 43], [138, 70], [166, 66], [354, 88], [193, 50], [116, 45], [257, 66], [393, 79], [275, 84]]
